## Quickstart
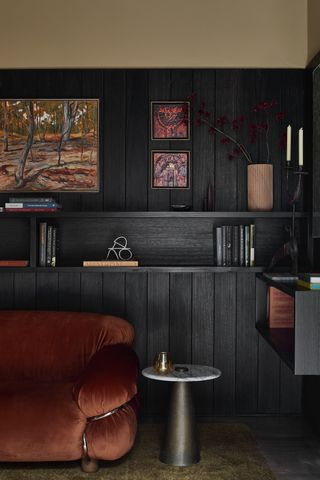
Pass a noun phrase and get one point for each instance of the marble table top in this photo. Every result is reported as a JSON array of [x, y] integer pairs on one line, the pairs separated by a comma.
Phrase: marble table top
[[195, 373]]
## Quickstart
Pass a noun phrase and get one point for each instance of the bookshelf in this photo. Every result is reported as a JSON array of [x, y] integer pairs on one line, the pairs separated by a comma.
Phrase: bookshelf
[[161, 241]]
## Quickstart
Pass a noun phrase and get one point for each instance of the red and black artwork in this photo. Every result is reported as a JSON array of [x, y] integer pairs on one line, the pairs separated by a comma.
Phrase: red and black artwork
[[170, 169], [170, 120]]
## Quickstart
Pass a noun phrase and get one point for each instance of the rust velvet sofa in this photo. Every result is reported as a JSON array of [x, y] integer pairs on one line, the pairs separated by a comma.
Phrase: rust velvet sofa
[[68, 387]]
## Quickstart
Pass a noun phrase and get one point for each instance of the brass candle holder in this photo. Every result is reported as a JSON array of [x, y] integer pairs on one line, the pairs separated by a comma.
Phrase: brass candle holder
[[163, 363]]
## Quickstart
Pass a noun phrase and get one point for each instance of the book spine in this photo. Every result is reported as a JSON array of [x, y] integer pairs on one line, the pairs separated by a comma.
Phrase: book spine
[[309, 278], [49, 245], [224, 245], [14, 263], [229, 245], [246, 245], [32, 205], [42, 244], [219, 246], [252, 245], [110, 263], [31, 199], [54, 247], [241, 245], [31, 209], [235, 245], [308, 285]]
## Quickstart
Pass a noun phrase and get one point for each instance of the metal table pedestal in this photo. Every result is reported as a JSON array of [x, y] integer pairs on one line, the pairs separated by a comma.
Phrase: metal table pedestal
[[180, 445]]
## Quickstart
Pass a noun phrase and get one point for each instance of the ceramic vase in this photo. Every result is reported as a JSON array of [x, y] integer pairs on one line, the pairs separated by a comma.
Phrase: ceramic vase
[[260, 187]]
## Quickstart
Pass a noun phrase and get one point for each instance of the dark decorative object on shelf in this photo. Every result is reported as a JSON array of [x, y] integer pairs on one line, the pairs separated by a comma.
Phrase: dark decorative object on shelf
[[208, 201], [180, 208], [290, 248]]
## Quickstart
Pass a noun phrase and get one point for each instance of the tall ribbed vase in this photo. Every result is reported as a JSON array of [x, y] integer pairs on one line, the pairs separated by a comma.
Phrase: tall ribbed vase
[[260, 187]]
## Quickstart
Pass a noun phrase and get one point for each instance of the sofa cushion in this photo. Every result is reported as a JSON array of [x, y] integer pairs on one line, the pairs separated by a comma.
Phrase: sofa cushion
[[39, 422], [55, 346]]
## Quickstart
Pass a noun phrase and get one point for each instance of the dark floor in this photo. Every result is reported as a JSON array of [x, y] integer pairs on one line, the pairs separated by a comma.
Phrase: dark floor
[[288, 444]]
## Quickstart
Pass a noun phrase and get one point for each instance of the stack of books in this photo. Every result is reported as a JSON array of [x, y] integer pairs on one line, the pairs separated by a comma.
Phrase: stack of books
[[14, 263], [309, 280], [36, 204], [47, 245], [235, 246]]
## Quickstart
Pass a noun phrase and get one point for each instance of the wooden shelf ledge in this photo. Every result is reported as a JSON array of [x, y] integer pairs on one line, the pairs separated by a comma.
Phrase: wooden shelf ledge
[[142, 269], [149, 214]]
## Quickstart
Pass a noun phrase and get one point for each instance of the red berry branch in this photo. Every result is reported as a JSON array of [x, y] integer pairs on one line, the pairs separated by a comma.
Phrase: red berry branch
[[203, 117]]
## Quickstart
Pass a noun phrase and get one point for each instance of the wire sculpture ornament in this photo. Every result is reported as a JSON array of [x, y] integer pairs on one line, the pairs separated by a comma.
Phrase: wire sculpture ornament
[[120, 249]]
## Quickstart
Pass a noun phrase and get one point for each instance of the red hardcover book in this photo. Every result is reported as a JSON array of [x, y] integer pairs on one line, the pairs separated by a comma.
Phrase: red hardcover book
[[281, 309], [21, 210], [14, 263]]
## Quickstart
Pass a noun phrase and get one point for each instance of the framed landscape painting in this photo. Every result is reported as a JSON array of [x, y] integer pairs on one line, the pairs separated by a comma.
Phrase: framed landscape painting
[[49, 145], [170, 120], [170, 169]]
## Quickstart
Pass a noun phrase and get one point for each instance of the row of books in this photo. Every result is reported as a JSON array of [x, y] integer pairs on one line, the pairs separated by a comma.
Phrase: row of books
[[235, 246], [47, 245], [36, 204]]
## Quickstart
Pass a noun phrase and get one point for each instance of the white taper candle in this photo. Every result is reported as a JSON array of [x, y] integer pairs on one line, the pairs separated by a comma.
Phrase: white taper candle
[[301, 147], [288, 143]]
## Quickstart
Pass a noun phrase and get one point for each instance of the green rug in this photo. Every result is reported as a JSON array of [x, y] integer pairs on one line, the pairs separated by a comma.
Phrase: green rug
[[228, 452]]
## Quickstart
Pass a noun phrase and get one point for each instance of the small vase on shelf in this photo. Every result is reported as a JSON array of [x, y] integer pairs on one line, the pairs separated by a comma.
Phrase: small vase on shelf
[[260, 187]]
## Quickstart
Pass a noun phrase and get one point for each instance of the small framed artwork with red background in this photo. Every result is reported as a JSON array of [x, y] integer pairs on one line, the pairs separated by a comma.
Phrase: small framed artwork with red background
[[170, 120], [170, 169]]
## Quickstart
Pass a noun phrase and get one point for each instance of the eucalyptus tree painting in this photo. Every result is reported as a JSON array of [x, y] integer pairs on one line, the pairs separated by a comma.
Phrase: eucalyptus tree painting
[[49, 145]]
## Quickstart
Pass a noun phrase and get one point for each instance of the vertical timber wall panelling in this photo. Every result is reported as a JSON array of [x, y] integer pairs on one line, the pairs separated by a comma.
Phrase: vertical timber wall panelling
[[125, 145], [247, 344], [225, 342], [203, 317]]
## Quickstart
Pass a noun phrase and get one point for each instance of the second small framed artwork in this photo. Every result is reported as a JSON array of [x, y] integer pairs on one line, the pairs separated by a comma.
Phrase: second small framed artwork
[[170, 120], [170, 169]]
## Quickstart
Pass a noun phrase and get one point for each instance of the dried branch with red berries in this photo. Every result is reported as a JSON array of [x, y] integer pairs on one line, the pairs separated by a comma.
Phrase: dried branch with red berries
[[232, 131]]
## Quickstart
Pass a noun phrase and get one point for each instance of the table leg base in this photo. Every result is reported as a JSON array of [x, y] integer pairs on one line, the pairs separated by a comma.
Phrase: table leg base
[[180, 446]]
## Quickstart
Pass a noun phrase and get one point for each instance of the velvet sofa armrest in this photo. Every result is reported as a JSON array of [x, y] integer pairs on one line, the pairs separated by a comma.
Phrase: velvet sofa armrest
[[108, 381]]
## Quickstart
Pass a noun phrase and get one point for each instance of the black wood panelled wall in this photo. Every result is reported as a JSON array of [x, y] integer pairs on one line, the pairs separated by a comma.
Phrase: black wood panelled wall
[[125, 129], [200, 317]]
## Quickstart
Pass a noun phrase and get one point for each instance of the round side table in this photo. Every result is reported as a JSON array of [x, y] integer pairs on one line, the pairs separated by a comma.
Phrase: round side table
[[180, 445]]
